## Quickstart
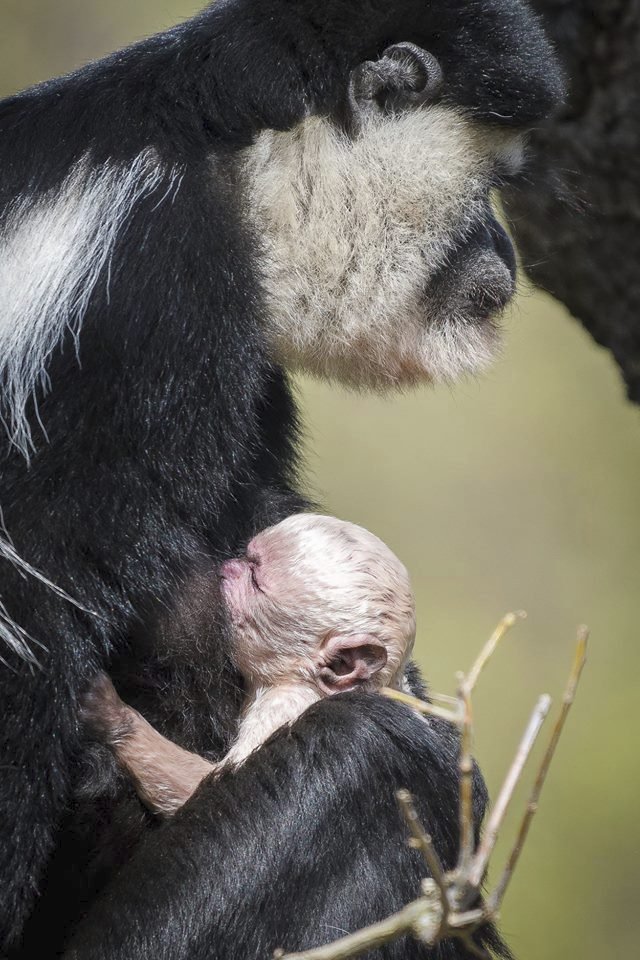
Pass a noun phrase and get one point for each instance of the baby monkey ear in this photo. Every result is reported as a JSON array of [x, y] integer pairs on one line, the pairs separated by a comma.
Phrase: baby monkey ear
[[346, 662]]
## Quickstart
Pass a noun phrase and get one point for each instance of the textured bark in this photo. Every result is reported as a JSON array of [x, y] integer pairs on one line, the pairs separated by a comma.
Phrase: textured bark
[[577, 219]]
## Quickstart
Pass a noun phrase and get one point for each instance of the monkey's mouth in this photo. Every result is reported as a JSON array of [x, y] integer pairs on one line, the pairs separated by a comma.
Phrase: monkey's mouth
[[479, 278]]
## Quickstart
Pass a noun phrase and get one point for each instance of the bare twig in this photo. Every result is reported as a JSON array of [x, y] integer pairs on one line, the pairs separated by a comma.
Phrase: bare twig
[[488, 842], [467, 920], [466, 780], [490, 646], [441, 912], [423, 842], [422, 706], [421, 918], [466, 686], [474, 949], [580, 658], [443, 698]]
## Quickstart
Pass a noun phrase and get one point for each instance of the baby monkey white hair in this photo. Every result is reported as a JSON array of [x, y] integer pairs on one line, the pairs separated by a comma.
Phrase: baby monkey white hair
[[312, 578], [317, 606]]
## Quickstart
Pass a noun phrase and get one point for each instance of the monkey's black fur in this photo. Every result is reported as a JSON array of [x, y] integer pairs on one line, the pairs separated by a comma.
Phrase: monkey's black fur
[[167, 447], [336, 772]]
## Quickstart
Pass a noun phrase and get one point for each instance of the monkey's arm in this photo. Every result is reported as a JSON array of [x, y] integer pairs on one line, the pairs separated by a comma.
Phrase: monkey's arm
[[164, 774]]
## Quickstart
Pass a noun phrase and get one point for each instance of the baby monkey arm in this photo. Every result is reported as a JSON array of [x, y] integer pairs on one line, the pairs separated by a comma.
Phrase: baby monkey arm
[[164, 774]]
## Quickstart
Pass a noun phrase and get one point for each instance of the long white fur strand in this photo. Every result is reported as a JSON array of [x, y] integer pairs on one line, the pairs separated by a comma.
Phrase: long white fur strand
[[53, 250]]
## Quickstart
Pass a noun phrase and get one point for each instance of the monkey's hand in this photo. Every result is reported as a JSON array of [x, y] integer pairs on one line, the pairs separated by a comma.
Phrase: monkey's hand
[[104, 716]]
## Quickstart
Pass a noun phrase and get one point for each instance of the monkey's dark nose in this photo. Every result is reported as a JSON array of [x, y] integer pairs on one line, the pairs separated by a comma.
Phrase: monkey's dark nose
[[491, 235], [502, 244]]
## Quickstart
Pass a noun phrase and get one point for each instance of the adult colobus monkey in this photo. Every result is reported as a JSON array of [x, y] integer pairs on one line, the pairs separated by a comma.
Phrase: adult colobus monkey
[[275, 182]]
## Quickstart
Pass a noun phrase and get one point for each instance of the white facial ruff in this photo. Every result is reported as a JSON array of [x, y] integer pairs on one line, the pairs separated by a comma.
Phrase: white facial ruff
[[352, 233]]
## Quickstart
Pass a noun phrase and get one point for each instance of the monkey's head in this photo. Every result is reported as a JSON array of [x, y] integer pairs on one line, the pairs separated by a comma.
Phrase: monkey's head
[[383, 262], [322, 601]]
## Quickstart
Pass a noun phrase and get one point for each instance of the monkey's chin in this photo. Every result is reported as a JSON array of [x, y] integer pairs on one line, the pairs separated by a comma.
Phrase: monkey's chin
[[449, 349], [441, 331], [441, 339]]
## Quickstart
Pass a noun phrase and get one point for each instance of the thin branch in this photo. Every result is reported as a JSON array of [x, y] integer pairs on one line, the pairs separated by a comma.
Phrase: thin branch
[[466, 685], [474, 949], [490, 646], [443, 698], [439, 914], [421, 918], [580, 658], [469, 919], [422, 706], [466, 780], [488, 842], [423, 842]]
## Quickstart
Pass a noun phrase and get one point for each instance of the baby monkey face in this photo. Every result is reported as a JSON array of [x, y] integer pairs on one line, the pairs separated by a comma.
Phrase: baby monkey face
[[320, 600]]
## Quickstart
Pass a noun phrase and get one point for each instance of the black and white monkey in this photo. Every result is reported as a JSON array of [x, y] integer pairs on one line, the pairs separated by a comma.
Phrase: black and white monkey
[[273, 184]]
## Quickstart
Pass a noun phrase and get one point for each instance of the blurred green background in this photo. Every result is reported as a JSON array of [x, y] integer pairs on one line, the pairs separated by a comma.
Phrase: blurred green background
[[518, 491]]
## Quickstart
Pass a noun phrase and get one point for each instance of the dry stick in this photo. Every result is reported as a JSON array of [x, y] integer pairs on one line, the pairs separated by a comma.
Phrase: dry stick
[[474, 949], [469, 918], [423, 842], [422, 706], [488, 842], [428, 708], [580, 658], [443, 698], [422, 915], [490, 646], [470, 680], [466, 780], [424, 918], [466, 685]]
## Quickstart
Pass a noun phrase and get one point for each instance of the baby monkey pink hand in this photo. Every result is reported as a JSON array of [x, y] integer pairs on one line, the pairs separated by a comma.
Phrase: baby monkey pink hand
[[164, 774]]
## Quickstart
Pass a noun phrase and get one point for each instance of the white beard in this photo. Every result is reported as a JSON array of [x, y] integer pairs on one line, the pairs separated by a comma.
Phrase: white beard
[[352, 233]]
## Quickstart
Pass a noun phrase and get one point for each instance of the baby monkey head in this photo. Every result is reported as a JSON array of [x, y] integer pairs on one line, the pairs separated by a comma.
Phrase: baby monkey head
[[320, 601]]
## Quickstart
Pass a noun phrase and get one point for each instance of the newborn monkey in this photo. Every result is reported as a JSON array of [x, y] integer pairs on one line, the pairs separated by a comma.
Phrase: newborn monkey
[[317, 606]]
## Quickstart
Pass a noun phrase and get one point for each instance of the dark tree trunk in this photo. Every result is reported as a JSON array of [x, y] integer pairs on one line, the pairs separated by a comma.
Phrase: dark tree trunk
[[577, 219]]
